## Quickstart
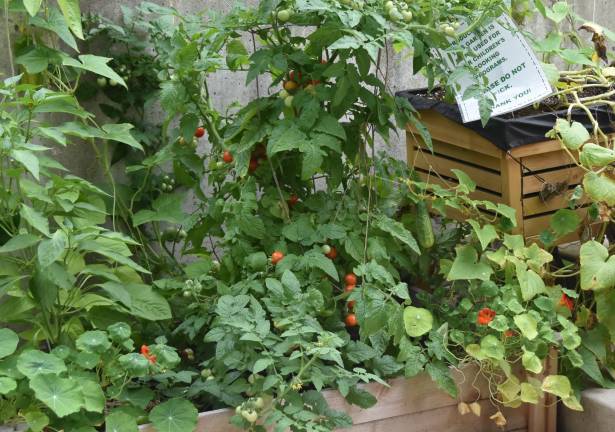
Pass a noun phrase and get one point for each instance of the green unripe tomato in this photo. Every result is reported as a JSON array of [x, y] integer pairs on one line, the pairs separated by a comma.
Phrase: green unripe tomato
[[283, 94], [250, 415], [259, 403], [215, 265], [389, 5], [238, 409], [407, 15], [358, 5], [102, 82], [113, 83], [395, 15], [449, 31], [210, 378], [182, 234], [284, 15], [325, 249], [187, 293], [288, 101]]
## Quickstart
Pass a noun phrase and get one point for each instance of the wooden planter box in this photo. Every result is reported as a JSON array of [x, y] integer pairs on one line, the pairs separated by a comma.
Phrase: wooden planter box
[[417, 405], [515, 177]]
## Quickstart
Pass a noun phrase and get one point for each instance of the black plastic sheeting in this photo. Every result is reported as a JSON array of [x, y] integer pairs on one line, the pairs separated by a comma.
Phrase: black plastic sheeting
[[508, 131]]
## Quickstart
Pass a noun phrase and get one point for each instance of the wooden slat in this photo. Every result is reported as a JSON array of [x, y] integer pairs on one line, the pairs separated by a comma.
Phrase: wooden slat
[[536, 148], [446, 183], [572, 176], [511, 189], [462, 154], [483, 178], [534, 205], [447, 419], [534, 226], [451, 132], [543, 161]]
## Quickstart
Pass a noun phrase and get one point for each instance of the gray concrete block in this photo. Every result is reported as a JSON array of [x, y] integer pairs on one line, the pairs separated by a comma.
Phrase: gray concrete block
[[599, 414]]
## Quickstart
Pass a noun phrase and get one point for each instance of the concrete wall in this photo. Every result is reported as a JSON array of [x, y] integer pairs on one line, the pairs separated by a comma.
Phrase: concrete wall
[[230, 87]]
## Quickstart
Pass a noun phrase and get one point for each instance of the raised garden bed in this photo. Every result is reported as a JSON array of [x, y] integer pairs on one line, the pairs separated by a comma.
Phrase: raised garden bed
[[418, 405], [510, 159]]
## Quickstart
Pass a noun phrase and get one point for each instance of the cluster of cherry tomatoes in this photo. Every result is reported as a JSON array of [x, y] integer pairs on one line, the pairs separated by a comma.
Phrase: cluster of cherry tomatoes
[[350, 281]]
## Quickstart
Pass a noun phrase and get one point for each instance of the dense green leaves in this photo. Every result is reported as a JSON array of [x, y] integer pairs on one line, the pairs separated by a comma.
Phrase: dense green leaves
[[175, 415]]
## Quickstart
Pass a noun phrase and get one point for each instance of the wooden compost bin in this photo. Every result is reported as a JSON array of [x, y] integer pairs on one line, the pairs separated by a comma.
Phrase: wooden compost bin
[[417, 405], [514, 177]]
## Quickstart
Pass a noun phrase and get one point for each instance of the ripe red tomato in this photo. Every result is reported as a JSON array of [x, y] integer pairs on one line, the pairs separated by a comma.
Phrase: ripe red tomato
[[276, 257], [332, 254], [351, 320], [292, 200], [253, 165], [292, 75], [350, 279], [351, 304], [227, 156], [349, 287], [200, 131]]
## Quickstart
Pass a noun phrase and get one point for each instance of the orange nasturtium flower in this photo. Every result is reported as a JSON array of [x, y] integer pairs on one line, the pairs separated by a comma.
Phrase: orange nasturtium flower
[[485, 316], [567, 302], [146, 353]]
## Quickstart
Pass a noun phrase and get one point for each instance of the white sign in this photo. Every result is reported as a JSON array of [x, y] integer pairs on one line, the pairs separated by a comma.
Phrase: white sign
[[515, 78]]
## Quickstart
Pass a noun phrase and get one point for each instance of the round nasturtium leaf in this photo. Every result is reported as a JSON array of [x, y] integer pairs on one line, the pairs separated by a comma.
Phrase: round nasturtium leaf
[[62, 395], [7, 385], [134, 364], [559, 385], [119, 331], [34, 362], [175, 415], [417, 321], [95, 341], [119, 421], [8, 342]]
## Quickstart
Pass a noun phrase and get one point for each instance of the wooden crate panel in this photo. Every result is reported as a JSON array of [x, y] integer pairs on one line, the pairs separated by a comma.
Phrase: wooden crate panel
[[544, 161], [448, 131], [534, 205], [440, 148], [485, 179], [448, 419], [533, 226], [572, 176], [450, 183]]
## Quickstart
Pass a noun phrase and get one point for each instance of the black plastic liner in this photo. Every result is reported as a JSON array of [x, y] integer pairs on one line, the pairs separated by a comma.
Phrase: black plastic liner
[[509, 131]]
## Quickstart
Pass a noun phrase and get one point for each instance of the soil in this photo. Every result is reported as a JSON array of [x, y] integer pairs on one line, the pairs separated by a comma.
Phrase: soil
[[549, 104]]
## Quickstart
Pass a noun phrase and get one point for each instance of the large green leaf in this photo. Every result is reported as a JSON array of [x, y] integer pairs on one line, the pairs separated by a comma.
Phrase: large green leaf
[[8, 342], [527, 325], [530, 282], [559, 385], [398, 231], [175, 415], [597, 267], [33, 362], [28, 159], [119, 421], [573, 135], [167, 208], [49, 250], [32, 6], [492, 347], [35, 219], [594, 155], [7, 385], [147, 303], [600, 187], [94, 341], [72, 14], [95, 64], [485, 234], [417, 321], [466, 265], [93, 396], [55, 22], [121, 133], [62, 395], [531, 362], [19, 242]]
